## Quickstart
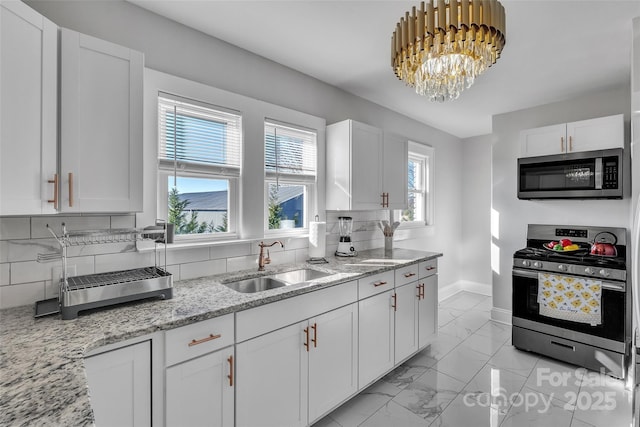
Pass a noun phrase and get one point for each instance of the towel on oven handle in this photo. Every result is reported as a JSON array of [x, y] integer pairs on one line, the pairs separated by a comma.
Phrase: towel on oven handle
[[570, 298]]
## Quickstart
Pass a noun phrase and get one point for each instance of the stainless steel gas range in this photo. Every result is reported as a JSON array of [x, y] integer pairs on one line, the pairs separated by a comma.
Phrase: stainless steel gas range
[[570, 299]]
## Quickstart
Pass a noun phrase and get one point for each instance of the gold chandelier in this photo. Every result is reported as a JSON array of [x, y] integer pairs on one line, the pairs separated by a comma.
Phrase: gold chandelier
[[440, 50]]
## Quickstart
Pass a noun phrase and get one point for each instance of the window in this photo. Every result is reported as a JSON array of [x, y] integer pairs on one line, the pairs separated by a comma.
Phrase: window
[[199, 165], [420, 186], [290, 175]]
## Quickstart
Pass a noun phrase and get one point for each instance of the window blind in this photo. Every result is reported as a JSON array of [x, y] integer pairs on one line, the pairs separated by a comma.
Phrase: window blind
[[290, 151], [199, 138]]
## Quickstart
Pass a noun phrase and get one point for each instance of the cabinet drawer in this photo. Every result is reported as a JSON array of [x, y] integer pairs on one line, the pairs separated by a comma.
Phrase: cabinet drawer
[[375, 284], [406, 274], [194, 340], [269, 317], [428, 268]]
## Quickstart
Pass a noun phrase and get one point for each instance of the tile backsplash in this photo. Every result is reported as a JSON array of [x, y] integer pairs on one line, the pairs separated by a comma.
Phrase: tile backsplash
[[24, 280]]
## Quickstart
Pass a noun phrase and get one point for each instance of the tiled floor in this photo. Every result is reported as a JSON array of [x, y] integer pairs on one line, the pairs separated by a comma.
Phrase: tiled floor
[[450, 383]]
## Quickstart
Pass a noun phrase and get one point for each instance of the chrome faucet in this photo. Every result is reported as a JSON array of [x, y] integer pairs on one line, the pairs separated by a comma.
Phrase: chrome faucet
[[262, 260]]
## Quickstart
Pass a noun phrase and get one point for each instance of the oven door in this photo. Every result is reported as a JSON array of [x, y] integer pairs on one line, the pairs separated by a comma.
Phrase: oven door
[[613, 307]]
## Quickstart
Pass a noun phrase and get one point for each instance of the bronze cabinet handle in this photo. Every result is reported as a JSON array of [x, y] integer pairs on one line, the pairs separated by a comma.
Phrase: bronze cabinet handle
[[314, 340], [230, 376], [380, 283], [54, 181], [570, 143], [70, 189], [306, 340], [407, 275], [211, 337], [395, 302], [562, 144]]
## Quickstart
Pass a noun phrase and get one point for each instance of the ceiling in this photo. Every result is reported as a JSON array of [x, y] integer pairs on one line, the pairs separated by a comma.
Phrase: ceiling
[[555, 50]]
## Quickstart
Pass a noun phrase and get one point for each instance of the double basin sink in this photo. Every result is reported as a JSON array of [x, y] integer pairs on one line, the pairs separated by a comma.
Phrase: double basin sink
[[278, 280]]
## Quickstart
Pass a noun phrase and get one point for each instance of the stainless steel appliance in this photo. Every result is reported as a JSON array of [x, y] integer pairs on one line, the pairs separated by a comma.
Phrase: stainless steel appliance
[[581, 175], [345, 247], [603, 345]]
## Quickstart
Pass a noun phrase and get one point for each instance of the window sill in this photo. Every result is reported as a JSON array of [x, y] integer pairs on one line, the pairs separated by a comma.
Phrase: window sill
[[149, 246]]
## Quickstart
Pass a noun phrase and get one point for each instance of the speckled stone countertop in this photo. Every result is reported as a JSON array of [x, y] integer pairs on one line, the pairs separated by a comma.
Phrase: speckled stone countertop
[[42, 374]]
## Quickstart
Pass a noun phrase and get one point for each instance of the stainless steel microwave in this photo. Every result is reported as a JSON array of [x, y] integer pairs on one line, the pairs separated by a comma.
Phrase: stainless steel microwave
[[582, 175]]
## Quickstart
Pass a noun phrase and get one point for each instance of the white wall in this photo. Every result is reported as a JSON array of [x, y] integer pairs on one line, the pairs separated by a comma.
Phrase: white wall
[[475, 260], [513, 215], [172, 48]]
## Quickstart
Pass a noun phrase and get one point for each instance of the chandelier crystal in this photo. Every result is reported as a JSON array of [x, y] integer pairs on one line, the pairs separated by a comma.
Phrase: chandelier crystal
[[440, 50]]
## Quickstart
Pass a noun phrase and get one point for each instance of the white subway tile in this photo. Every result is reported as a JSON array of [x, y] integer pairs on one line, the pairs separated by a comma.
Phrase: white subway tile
[[15, 228], [73, 223], [123, 221], [175, 271], [26, 250], [5, 274], [179, 256], [22, 294], [229, 250], [242, 263], [200, 269], [30, 271], [125, 261]]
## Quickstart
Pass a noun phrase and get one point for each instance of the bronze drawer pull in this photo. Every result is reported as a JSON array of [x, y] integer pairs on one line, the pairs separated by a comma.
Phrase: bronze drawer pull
[[54, 181], [209, 338], [407, 275], [380, 283], [230, 376]]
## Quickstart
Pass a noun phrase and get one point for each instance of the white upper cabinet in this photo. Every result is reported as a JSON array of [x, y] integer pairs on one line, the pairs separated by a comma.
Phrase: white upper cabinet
[[354, 166], [395, 176], [585, 135], [28, 110], [365, 169], [101, 125]]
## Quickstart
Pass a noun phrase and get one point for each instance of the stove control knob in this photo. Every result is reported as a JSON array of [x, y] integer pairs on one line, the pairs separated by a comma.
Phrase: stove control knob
[[563, 267], [537, 264], [605, 273], [526, 263], [589, 270]]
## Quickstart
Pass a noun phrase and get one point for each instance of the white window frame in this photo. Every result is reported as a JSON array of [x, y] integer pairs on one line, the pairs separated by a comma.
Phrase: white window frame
[[309, 183], [165, 171], [426, 153]]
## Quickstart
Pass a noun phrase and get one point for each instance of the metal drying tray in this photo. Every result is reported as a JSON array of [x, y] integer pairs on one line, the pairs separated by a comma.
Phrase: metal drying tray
[[105, 289]]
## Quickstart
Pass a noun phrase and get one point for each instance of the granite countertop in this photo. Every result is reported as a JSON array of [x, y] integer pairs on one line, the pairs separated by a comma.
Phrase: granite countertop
[[42, 375]]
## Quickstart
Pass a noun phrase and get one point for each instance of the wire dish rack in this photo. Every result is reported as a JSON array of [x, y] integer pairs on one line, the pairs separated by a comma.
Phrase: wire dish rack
[[90, 291]]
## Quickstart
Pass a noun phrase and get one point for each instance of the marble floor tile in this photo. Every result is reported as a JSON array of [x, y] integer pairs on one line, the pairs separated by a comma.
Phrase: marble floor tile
[[464, 411], [442, 345], [463, 300], [430, 394], [404, 375], [496, 330], [423, 359], [458, 329], [577, 423], [556, 379], [326, 422], [534, 409], [603, 401], [514, 360], [486, 345], [358, 409], [393, 414], [496, 386], [447, 314], [462, 363]]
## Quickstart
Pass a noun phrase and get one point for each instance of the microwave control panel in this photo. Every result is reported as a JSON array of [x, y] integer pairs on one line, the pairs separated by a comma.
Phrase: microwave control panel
[[610, 174]]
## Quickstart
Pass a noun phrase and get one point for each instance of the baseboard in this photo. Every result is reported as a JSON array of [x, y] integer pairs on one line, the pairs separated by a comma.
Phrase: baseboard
[[501, 315], [463, 285]]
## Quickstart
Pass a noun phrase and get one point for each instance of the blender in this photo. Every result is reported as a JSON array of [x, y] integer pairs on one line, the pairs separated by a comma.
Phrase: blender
[[345, 226]]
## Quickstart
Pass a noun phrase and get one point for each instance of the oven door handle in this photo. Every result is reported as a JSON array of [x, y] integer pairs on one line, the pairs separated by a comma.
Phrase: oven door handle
[[612, 286]]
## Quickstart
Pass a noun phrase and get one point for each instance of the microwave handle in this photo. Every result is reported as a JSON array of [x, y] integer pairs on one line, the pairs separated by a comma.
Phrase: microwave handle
[[598, 177]]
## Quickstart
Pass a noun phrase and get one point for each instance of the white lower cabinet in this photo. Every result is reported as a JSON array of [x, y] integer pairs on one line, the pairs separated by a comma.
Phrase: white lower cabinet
[[375, 337], [427, 311], [120, 386], [293, 376], [406, 321], [199, 392]]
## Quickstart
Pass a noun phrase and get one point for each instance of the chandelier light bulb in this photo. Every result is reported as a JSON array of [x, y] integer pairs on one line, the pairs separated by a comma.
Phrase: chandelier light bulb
[[440, 50]]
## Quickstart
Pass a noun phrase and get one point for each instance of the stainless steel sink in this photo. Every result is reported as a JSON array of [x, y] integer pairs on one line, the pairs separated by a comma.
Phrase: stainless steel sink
[[300, 276], [278, 280], [257, 284]]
